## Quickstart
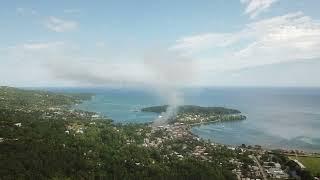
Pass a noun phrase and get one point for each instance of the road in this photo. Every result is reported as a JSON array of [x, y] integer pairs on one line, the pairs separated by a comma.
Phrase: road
[[260, 167]]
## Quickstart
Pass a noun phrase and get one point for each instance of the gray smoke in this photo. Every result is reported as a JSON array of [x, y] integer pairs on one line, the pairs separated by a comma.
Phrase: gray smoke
[[161, 71], [175, 100], [171, 73]]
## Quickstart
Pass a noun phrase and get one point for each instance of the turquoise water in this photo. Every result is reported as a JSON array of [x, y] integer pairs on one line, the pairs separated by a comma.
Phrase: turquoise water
[[122, 106], [277, 117]]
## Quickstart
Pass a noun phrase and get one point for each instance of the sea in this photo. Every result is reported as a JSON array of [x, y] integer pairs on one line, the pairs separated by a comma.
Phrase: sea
[[286, 118]]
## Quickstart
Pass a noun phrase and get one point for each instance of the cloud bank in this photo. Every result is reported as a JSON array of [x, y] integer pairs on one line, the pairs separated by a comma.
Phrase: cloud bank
[[286, 38], [60, 25], [197, 60], [256, 7]]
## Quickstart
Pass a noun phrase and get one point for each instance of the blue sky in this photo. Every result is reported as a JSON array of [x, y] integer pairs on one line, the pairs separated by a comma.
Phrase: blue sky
[[166, 43]]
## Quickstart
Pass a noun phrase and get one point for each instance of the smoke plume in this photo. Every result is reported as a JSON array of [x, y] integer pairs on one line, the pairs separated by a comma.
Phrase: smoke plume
[[161, 71], [171, 73]]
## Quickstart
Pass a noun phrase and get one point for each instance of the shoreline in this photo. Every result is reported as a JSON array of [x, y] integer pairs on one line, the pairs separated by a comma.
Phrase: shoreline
[[255, 147], [191, 125], [271, 147]]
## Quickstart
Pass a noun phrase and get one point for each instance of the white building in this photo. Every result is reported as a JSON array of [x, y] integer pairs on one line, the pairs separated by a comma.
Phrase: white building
[[18, 124]]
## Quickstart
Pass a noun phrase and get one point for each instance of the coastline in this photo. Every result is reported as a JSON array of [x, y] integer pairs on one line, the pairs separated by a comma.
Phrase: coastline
[[285, 151], [272, 147], [51, 116]]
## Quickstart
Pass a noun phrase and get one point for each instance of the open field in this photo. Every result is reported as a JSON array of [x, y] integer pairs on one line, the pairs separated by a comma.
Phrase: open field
[[311, 163]]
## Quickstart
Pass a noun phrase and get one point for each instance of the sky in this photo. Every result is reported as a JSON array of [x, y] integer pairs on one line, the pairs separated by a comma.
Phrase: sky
[[167, 43]]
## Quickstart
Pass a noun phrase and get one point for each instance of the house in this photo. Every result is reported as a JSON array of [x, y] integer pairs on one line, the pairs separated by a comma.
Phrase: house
[[277, 173], [277, 165], [95, 116], [79, 131], [18, 124]]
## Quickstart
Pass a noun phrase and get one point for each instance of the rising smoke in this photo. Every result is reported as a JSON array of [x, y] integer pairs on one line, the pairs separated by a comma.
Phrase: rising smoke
[[164, 72], [171, 73]]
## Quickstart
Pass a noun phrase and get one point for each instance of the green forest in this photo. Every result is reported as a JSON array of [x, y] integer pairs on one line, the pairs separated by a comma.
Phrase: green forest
[[42, 138]]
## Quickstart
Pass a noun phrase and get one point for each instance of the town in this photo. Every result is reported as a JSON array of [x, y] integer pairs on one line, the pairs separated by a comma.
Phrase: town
[[62, 137], [248, 162]]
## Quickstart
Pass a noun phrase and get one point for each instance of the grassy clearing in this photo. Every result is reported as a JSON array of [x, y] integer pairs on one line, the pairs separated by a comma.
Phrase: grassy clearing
[[311, 163]]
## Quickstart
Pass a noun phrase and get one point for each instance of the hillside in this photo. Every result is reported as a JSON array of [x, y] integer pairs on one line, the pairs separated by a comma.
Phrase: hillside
[[34, 99], [41, 138]]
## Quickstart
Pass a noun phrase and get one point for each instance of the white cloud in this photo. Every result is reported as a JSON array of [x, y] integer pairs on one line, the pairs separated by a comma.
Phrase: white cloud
[[279, 39], [41, 46], [203, 41], [286, 39], [72, 11], [33, 54], [25, 11], [60, 25], [23, 63], [101, 44], [255, 7], [32, 50]]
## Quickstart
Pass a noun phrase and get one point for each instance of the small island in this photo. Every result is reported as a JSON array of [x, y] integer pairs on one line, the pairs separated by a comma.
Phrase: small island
[[190, 114]]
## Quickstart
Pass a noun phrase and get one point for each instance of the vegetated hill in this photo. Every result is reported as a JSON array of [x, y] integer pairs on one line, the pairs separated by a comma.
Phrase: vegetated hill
[[37, 142], [18, 98], [193, 109]]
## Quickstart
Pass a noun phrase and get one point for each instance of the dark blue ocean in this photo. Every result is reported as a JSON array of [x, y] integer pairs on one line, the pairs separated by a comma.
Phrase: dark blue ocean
[[276, 117]]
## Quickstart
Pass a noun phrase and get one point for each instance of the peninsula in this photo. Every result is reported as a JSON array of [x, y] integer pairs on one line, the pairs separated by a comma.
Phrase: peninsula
[[190, 114]]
